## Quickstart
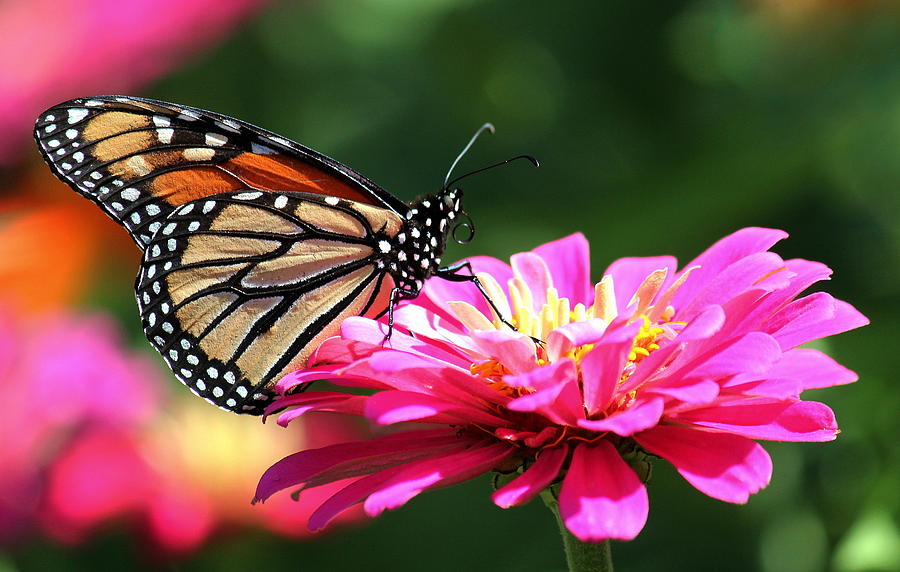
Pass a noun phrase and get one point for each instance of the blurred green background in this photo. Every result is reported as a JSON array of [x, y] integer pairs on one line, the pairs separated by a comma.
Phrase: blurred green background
[[660, 127]]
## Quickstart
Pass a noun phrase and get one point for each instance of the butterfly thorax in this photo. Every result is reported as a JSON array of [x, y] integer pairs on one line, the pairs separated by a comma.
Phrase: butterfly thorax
[[415, 252]]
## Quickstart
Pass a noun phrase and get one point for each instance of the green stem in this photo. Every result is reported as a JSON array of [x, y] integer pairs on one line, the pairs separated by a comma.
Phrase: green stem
[[580, 556]]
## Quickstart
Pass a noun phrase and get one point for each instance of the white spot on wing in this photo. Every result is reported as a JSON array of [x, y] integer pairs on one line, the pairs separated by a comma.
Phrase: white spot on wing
[[199, 154], [248, 196], [161, 121], [76, 115], [215, 139], [131, 194], [333, 201], [165, 135], [281, 201]]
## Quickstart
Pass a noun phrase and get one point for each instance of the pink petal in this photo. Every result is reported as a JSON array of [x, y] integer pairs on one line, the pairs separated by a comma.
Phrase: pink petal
[[558, 397], [361, 488], [628, 421], [389, 407], [374, 333], [514, 350], [533, 270], [753, 353], [564, 339], [534, 480], [337, 350], [811, 369], [629, 273], [722, 254], [303, 403], [739, 276], [773, 420], [442, 333], [409, 372], [748, 310], [601, 497], [603, 366], [693, 391], [304, 377], [725, 467], [348, 496], [799, 369], [570, 266], [436, 472], [346, 460], [815, 316]]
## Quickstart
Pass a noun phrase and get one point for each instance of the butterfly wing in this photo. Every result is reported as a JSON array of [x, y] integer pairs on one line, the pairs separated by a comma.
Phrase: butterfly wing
[[236, 289], [139, 159]]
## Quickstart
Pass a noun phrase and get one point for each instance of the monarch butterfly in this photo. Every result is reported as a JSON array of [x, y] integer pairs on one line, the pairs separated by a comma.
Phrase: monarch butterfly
[[255, 248]]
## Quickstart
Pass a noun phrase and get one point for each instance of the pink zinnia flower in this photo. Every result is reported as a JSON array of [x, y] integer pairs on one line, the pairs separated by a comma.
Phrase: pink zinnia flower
[[693, 366]]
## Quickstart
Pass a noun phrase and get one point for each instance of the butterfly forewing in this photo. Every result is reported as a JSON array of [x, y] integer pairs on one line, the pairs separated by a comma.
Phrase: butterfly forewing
[[235, 290], [255, 247], [139, 159]]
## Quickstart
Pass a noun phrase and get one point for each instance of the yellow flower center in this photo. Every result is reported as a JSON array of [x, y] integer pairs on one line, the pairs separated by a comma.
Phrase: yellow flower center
[[656, 324]]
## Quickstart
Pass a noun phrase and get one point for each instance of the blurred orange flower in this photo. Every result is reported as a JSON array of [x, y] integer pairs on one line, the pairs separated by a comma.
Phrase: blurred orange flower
[[53, 243]]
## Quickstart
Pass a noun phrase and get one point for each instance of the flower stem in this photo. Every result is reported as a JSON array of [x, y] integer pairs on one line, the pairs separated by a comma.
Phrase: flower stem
[[580, 556]]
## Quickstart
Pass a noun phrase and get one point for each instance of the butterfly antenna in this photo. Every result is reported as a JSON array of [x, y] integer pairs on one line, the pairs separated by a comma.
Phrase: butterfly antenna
[[482, 129], [533, 161]]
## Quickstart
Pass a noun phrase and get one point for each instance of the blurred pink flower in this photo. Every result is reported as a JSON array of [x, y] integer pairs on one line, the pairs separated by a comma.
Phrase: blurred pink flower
[[181, 479], [692, 366], [59, 50], [89, 440], [60, 373]]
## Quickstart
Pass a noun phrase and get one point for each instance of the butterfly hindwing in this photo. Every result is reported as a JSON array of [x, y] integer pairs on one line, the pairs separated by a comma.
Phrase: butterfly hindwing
[[139, 159], [236, 289]]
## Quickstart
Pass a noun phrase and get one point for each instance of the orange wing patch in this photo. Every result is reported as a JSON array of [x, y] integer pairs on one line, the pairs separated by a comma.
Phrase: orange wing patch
[[278, 172]]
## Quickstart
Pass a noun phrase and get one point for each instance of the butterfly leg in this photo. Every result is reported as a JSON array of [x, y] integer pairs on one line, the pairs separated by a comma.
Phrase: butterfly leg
[[452, 274], [396, 295]]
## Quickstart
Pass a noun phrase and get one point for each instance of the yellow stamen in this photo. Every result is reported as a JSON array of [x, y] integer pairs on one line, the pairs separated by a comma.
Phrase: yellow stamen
[[648, 290], [605, 300]]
